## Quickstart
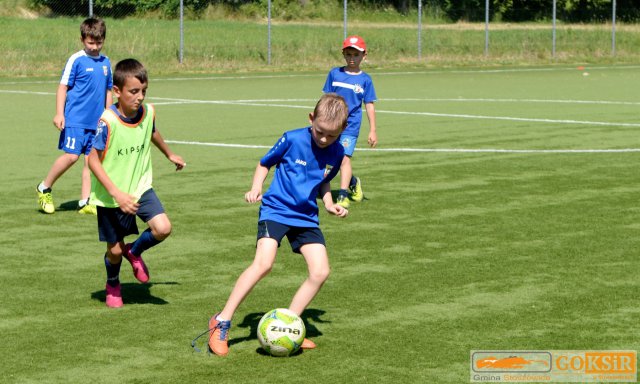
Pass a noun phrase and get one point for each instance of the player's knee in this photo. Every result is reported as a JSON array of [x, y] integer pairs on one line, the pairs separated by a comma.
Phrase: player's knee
[[264, 268], [161, 232], [320, 275], [71, 157]]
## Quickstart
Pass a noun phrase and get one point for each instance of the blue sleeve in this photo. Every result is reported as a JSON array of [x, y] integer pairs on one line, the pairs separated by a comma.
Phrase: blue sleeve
[[370, 92], [109, 77], [102, 133], [333, 173], [327, 84], [71, 80], [276, 153]]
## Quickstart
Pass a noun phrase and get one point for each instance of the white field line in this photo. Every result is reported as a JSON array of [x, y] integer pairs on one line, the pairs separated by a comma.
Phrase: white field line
[[270, 103], [440, 150], [453, 115]]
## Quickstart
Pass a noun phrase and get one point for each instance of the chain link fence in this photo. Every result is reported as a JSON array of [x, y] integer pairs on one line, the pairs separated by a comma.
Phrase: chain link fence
[[211, 42]]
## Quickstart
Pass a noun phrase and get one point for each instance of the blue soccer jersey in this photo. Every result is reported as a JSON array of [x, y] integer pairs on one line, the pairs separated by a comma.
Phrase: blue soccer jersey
[[89, 79], [301, 167], [355, 89]]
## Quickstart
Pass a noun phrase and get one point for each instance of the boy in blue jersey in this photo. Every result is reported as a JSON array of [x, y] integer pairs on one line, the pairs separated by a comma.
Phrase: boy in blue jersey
[[356, 87], [120, 162], [306, 160], [83, 93]]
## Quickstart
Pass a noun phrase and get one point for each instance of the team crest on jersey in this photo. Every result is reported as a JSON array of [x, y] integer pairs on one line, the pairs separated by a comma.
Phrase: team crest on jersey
[[327, 170], [357, 88], [101, 127], [346, 142], [105, 70]]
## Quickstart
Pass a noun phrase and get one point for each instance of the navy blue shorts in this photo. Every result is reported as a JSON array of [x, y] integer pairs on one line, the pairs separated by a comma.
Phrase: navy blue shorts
[[114, 225], [297, 236]]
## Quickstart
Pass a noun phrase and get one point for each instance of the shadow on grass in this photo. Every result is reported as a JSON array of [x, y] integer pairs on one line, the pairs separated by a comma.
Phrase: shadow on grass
[[134, 293], [71, 205]]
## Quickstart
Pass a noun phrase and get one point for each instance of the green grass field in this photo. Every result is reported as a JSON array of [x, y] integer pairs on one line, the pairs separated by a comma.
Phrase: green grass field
[[501, 214]]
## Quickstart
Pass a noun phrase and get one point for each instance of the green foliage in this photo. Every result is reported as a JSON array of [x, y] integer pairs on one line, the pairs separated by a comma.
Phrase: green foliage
[[454, 10]]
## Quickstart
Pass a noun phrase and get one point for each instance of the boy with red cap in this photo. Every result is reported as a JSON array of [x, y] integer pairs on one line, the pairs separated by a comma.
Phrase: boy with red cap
[[356, 87]]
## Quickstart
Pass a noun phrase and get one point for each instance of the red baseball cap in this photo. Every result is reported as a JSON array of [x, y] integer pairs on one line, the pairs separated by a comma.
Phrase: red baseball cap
[[355, 42]]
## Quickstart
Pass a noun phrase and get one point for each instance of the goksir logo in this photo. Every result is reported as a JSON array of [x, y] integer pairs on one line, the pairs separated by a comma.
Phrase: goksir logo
[[554, 366]]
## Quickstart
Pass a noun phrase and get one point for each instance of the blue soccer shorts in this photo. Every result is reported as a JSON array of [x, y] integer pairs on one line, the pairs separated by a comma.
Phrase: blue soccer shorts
[[349, 144], [76, 141], [114, 225], [297, 236]]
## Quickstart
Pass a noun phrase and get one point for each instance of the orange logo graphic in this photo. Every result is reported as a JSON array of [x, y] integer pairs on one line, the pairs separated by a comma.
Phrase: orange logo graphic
[[511, 362]]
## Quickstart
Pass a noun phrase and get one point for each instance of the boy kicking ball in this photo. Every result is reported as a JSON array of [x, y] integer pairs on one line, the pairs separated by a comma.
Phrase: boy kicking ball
[[306, 160]]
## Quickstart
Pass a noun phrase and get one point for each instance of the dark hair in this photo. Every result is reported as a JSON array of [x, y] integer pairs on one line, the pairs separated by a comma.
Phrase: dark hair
[[332, 108], [93, 27], [129, 68]]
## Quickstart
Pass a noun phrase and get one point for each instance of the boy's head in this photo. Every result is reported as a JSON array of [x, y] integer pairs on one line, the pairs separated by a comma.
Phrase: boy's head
[[130, 82], [92, 34], [354, 50], [328, 120]]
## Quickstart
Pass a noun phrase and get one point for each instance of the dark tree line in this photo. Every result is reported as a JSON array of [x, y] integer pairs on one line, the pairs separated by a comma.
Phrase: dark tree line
[[454, 10]]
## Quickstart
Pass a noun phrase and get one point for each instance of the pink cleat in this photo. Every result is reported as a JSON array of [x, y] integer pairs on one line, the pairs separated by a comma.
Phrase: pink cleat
[[114, 298], [140, 270]]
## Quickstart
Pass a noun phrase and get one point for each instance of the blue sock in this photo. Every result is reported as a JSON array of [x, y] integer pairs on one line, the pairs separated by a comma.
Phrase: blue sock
[[144, 242], [343, 192], [353, 181], [113, 272]]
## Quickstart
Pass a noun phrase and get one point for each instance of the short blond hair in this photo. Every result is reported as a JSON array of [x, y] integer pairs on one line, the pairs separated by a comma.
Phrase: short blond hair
[[332, 108]]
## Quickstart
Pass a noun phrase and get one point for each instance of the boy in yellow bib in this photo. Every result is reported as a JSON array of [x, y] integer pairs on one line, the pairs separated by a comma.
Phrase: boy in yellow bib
[[120, 162]]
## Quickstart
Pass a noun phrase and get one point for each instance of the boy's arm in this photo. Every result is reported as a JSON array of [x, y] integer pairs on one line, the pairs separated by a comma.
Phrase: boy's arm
[[371, 115], [126, 202], [61, 99], [109, 99], [327, 199], [159, 142], [255, 194]]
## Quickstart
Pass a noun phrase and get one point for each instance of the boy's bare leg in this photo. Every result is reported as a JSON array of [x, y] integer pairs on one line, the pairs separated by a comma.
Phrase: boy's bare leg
[[266, 250], [345, 173], [60, 166], [86, 180], [318, 267], [160, 226]]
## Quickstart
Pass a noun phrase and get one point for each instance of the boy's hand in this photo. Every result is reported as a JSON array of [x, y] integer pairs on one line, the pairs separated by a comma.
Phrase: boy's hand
[[338, 210], [58, 122], [373, 139], [253, 196], [177, 160], [128, 203]]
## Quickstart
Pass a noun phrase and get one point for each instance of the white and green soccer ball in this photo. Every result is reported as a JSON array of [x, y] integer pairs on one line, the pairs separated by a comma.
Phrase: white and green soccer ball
[[281, 332]]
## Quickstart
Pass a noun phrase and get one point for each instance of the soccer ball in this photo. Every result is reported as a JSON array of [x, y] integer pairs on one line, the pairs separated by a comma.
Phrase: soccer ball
[[281, 332]]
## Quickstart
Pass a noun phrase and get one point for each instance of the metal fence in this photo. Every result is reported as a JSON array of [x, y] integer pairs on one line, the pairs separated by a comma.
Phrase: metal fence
[[419, 27]]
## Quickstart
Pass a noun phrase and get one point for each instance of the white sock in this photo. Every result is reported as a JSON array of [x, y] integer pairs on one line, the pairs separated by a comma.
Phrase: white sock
[[220, 318], [42, 187], [82, 203]]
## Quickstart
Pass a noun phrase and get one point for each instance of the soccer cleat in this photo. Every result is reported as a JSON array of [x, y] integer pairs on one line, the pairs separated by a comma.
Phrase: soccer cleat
[[307, 344], [114, 298], [343, 201], [140, 270], [356, 193], [219, 336], [45, 200], [88, 209]]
